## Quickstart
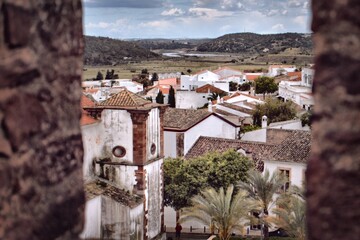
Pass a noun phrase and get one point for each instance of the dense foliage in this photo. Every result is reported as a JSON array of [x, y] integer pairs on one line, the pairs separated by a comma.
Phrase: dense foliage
[[160, 97], [245, 86], [107, 51], [223, 211], [275, 110], [306, 118], [262, 189], [171, 100], [265, 85], [290, 213], [186, 178]]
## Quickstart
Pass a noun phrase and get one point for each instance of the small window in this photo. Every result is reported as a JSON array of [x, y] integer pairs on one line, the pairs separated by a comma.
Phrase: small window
[[119, 151], [153, 149], [286, 174]]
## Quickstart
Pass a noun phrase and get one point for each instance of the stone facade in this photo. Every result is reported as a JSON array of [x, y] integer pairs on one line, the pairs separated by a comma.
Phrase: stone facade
[[41, 190], [333, 193]]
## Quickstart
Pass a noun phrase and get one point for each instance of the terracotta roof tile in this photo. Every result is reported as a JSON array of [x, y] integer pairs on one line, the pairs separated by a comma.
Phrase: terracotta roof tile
[[251, 77], [236, 108], [295, 148], [87, 120], [209, 88], [86, 101], [125, 98], [292, 146], [183, 119], [257, 151]]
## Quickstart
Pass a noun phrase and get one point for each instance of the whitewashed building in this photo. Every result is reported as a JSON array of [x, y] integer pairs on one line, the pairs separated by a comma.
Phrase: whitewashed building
[[123, 169], [275, 70], [197, 98], [299, 92], [182, 127]]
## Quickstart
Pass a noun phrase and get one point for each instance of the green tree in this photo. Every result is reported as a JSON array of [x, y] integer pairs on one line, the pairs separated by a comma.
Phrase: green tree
[[233, 86], [154, 77], [184, 179], [275, 110], [265, 85], [99, 76], [225, 211], [262, 189], [160, 97], [171, 100], [306, 118], [291, 213], [245, 86], [110, 74]]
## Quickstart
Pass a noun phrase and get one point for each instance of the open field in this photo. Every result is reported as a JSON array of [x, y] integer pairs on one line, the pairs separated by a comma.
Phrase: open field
[[167, 65]]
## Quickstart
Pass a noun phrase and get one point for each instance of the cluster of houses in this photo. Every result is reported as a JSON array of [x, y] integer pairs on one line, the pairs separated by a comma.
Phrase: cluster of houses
[[126, 138]]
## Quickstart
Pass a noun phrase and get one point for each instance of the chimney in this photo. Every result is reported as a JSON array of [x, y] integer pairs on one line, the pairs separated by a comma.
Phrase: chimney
[[218, 99], [210, 106], [264, 122]]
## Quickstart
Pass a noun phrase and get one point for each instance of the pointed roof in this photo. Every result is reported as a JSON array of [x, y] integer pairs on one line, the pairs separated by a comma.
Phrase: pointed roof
[[209, 88], [125, 99]]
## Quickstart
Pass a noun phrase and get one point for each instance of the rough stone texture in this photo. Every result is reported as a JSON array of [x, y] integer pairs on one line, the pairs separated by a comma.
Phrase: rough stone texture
[[41, 187], [139, 135], [333, 172]]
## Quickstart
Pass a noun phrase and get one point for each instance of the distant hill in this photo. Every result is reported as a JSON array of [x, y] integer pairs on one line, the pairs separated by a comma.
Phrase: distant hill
[[107, 51], [170, 44], [257, 43]]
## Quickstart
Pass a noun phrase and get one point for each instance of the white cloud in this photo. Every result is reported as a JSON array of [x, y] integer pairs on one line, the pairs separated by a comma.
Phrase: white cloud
[[156, 24], [107, 25], [294, 3], [173, 12], [209, 13], [272, 12], [300, 20], [278, 27]]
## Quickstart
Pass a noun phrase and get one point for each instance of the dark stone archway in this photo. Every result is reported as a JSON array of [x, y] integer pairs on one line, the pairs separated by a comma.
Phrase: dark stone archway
[[41, 186]]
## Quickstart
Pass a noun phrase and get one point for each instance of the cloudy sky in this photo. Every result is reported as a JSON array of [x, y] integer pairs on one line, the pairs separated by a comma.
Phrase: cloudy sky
[[124, 19]]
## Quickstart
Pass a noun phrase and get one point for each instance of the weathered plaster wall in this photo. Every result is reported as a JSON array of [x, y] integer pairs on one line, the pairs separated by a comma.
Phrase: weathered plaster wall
[[41, 190], [92, 219], [93, 140], [333, 178], [152, 133], [154, 198], [190, 99], [123, 176], [109, 219], [118, 131], [170, 144]]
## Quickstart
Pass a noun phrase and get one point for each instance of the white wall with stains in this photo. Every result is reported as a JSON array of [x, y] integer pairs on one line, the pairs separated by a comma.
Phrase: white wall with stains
[[154, 197], [118, 131]]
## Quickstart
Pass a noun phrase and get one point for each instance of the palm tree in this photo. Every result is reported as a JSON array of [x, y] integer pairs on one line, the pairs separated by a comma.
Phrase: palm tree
[[222, 210], [291, 214], [262, 189]]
